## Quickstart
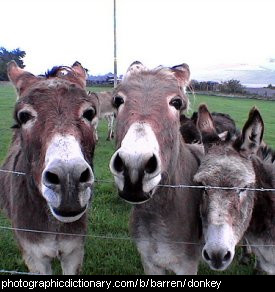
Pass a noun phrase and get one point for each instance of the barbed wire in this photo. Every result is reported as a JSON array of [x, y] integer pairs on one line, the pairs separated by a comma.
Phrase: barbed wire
[[183, 186], [111, 237], [11, 171], [124, 238], [18, 273]]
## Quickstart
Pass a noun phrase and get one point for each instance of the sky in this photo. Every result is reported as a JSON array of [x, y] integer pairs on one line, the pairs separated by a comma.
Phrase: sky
[[205, 34]]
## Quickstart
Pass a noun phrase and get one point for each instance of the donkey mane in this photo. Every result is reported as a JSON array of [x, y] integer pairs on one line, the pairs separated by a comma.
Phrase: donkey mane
[[266, 153], [52, 72]]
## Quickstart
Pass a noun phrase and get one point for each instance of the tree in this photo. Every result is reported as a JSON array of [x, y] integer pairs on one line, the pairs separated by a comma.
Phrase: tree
[[232, 86], [6, 56]]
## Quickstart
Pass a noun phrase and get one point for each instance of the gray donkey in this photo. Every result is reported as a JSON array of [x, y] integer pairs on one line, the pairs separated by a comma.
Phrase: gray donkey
[[229, 214]]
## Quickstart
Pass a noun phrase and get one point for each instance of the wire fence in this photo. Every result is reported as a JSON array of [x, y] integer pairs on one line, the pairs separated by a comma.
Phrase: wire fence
[[181, 186], [19, 173], [124, 238], [127, 238]]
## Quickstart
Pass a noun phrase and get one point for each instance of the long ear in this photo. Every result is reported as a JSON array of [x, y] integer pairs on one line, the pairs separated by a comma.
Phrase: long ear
[[20, 78], [182, 73], [252, 133], [206, 126], [80, 73]]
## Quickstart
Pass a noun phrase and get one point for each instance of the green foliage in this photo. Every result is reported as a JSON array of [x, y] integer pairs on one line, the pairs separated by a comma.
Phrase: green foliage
[[6, 56], [231, 86], [109, 215]]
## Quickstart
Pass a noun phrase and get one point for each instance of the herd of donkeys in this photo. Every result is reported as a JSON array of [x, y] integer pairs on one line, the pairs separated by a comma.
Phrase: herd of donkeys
[[196, 193]]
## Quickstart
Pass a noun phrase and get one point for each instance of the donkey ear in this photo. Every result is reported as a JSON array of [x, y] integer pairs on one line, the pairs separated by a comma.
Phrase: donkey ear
[[20, 78], [80, 73], [252, 133], [206, 126], [182, 73]]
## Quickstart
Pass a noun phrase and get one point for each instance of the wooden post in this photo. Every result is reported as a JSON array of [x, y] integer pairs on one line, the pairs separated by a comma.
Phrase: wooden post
[[115, 57]]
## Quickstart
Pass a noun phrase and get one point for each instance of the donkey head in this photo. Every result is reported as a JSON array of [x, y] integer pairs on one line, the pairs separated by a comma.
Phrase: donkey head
[[54, 127], [148, 103], [227, 163]]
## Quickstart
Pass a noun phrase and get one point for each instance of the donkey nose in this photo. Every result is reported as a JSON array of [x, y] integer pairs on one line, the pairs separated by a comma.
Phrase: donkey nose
[[148, 164], [77, 172], [217, 259]]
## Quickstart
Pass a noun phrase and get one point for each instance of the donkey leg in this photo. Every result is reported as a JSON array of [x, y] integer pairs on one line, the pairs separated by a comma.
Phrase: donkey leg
[[38, 256], [108, 118], [246, 253], [112, 126], [71, 263], [37, 264], [151, 269], [95, 123], [188, 268]]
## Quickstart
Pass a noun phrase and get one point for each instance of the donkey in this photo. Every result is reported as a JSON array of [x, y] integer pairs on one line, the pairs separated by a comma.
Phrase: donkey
[[150, 151], [228, 215], [222, 123], [53, 144], [105, 110]]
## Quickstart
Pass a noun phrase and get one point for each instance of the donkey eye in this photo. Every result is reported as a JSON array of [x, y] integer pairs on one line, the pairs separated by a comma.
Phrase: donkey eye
[[117, 101], [89, 114], [176, 103], [24, 117]]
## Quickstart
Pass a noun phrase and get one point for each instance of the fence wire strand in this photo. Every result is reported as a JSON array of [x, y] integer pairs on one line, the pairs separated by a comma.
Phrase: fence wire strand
[[111, 237], [18, 273], [182, 186], [127, 238]]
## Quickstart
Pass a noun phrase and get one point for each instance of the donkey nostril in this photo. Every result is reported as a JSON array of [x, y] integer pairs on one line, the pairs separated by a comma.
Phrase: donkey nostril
[[85, 176], [206, 256], [51, 178], [151, 165], [118, 164], [227, 256]]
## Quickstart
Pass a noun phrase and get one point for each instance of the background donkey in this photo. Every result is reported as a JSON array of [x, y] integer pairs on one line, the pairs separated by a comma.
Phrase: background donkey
[[150, 151], [105, 110], [222, 123], [229, 214], [53, 143]]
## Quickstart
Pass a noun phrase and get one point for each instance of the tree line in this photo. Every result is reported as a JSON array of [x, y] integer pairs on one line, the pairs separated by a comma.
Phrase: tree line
[[230, 86]]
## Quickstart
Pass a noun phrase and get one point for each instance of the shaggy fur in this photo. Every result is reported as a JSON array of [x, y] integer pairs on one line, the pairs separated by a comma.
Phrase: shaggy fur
[[58, 103], [171, 216], [242, 162]]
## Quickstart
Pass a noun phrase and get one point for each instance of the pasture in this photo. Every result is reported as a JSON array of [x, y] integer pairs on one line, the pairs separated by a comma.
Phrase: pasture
[[108, 247]]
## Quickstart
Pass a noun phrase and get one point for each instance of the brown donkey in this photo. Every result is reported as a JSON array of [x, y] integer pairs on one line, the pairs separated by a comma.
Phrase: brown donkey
[[53, 143], [227, 215], [150, 151], [105, 110]]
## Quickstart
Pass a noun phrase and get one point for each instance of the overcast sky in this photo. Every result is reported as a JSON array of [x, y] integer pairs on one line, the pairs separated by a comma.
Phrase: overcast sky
[[202, 33]]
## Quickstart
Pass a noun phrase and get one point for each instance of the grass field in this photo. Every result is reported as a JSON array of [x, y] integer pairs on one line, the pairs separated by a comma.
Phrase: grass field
[[108, 220]]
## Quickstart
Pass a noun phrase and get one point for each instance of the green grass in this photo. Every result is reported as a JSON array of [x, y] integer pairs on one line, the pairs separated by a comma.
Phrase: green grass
[[109, 214], [238, 109]]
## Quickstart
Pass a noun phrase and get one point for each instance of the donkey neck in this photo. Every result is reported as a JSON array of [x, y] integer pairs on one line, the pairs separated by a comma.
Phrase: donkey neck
[[187, 163], [263, 216]]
